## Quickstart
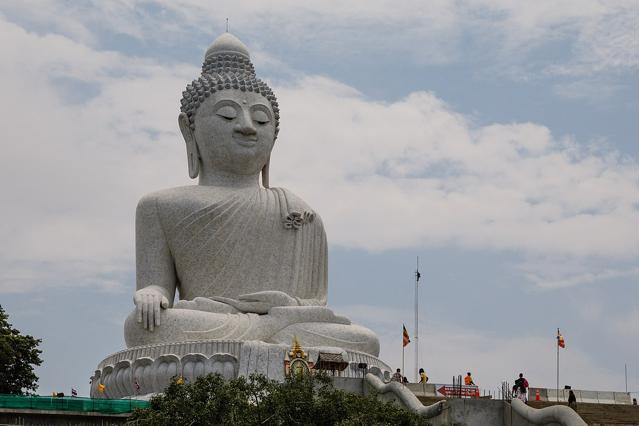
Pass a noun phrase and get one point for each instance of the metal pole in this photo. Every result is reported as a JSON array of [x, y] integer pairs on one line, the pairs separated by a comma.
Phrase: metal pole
[[417, 322], [625, 368], [557, 365], [403, 371]]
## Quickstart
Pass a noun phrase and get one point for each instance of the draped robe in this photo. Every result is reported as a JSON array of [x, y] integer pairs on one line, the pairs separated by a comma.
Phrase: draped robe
[[241, 244], [209, 241]]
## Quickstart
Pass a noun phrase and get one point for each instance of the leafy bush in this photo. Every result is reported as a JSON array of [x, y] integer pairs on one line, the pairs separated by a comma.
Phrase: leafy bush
[[18, 355], [258, 400]]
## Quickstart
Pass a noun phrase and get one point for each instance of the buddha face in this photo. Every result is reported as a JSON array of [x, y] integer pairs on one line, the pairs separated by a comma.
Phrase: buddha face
[[234, 132]]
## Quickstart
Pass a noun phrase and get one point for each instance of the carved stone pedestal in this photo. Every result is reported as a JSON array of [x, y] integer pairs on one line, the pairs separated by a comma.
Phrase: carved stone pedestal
[[144, 370]]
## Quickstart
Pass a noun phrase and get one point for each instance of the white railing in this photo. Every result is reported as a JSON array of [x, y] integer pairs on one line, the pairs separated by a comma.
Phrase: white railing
[[592, 397]]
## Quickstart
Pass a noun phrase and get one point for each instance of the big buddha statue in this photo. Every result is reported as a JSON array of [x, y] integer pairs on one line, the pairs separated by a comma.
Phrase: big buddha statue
[[248, 262]]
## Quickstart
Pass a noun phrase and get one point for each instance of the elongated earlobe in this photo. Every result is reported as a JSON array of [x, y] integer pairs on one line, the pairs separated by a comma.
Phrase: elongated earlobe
[[192, 153], [265, 182]]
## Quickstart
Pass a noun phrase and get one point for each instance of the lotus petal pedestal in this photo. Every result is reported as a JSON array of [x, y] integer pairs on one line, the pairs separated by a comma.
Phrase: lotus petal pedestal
[[144, 370]]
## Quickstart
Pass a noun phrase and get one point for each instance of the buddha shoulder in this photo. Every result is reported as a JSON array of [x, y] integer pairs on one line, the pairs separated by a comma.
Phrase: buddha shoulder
[[173, 204], [177, 201]]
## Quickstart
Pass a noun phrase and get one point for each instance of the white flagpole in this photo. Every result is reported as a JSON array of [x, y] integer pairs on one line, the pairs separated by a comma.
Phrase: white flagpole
[[558, 365], [403, 347], [417, 322]]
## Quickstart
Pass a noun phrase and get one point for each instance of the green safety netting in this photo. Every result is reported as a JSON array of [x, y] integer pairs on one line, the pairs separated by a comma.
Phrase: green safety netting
[[71, 403]]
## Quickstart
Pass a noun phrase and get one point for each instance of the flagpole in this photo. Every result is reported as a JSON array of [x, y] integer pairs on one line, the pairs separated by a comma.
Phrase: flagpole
[[417, 321], [403, 347], [558, 365]]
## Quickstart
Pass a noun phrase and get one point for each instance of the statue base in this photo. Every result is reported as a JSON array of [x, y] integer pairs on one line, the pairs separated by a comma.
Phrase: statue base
[[144, 370]]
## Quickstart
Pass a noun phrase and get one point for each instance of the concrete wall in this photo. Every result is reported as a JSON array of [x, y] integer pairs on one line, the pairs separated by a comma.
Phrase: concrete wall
[[349, 384], [427, 389], [471, 412]]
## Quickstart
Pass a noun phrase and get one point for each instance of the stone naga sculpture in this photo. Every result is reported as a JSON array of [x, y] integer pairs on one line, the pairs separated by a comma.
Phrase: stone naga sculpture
[[248, 262]]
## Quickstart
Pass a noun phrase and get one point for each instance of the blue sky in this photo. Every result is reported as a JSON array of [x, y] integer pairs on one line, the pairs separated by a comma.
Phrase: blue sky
[[494, 139]]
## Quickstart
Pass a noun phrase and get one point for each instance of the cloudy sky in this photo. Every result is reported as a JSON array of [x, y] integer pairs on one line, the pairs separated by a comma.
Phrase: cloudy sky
[[494, 139]]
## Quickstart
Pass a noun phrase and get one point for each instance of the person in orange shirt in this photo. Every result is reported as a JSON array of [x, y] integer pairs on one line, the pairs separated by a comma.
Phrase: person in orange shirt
[[468, 380]]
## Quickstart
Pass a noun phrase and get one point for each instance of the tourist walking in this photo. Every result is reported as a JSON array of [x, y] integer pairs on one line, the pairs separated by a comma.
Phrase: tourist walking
[[520, 388]]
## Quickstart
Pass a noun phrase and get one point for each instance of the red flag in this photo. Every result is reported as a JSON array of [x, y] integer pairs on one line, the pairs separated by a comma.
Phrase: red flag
[[406, 337], [560, 340]]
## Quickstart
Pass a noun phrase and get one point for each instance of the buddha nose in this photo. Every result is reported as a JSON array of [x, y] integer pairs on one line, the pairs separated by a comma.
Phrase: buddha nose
[[245, 126]]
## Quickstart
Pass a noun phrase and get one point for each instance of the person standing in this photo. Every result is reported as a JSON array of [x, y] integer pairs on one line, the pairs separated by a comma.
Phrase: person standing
[[520, 389], [468, 380], [423, 378], [572, 399], [397, 376]]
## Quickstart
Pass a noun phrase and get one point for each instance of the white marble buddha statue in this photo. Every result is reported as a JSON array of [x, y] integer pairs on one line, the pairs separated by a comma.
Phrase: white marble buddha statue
[[249, 262]]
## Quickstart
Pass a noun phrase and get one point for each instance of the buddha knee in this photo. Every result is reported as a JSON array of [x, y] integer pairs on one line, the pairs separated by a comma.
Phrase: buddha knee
[[351, 337], [181, 325]]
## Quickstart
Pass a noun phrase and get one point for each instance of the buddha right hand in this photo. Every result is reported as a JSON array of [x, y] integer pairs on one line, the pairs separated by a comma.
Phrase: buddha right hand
[[148, 301]]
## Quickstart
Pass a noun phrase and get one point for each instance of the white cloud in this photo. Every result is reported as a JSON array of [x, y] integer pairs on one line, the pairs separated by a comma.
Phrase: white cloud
[[608, 42], [414, 172], [72, 173], [599, 35], [553, 281]]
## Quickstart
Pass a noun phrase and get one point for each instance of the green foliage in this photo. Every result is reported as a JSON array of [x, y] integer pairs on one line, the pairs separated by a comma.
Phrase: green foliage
[[261, 401], [18, 355]]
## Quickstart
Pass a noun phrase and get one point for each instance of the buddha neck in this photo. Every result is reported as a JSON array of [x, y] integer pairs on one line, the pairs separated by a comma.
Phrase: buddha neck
[[228, 180]]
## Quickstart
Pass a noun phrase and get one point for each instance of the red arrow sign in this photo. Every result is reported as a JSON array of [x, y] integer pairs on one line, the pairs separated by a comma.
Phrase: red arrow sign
[[463, 391]]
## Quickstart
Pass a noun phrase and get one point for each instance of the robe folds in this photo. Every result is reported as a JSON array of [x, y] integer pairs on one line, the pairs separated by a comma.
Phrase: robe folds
[[245, 241]]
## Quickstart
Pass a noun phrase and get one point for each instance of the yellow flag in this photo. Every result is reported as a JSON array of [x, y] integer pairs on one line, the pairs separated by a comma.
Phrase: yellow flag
[[101, 388]]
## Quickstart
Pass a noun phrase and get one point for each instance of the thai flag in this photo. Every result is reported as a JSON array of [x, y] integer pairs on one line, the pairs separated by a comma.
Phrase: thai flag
[[405, 336], [560, 340], [74, 392]]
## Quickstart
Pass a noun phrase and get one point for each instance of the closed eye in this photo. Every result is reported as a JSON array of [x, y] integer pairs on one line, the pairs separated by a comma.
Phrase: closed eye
[[227, 112], [260, 117]]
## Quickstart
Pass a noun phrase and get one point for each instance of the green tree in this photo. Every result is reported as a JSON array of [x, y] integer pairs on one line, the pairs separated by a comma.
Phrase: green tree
[[261, 401], [18, 355]]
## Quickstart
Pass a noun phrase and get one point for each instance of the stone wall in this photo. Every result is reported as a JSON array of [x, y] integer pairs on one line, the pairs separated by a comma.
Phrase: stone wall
[[471, 412]]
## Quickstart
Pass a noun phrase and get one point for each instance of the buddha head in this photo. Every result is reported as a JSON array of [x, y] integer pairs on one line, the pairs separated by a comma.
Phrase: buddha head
[[229, 118]]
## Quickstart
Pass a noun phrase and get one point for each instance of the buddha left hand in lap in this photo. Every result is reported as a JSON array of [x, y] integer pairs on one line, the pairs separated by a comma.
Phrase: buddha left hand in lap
[[249, 262]]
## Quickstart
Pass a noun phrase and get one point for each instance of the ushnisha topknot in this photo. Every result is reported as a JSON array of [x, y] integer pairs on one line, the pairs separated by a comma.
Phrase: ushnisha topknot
[[227, 65]]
